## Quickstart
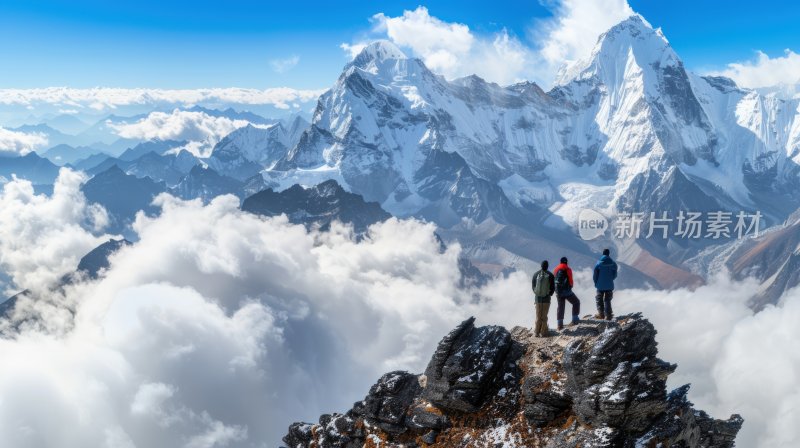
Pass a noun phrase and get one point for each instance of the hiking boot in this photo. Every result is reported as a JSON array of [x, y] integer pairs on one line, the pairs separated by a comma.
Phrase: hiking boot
[[600, 316], [560, 325], [575, 320], [610, 317]]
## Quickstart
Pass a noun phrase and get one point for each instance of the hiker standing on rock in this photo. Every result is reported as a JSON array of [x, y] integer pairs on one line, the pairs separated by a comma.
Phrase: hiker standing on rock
[[543, 284], [564, 283], [605, 271]]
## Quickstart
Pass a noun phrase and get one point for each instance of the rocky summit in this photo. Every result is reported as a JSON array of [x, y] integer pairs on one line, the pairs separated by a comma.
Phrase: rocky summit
[[595, 384]]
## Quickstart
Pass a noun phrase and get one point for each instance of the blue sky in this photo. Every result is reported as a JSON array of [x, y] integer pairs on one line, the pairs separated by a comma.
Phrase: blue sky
[[196, 44]]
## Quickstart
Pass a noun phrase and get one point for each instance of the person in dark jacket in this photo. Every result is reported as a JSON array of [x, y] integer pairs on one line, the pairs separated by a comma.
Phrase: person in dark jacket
[[564, 293], [544, 286], [605, 271]]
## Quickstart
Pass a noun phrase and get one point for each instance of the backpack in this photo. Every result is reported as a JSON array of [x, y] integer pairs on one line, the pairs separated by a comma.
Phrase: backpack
[[542, 287], [562, 281]]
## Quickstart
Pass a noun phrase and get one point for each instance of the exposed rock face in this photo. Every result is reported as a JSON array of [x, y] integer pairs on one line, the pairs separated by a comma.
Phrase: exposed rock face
[[388, 401], [317, 206], [597, 384], [464, 366], [617, 381]]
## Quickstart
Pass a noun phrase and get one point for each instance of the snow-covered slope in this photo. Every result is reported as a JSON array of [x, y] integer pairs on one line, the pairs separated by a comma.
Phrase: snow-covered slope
[[633, 101], [758, 142], [388, 116], [250, 149], [627, 129], [615, 125]]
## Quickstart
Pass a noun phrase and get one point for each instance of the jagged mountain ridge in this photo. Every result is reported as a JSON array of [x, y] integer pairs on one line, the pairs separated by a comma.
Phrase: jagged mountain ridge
[[248, 150], [629, 109], [627, 129], [598, 384], [38, 170]]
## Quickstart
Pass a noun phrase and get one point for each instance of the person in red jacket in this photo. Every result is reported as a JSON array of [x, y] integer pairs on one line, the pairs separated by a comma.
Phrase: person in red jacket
[[564, 283]]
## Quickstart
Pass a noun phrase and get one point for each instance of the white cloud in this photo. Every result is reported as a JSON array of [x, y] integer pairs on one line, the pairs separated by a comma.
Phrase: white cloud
[[454, 50], [284, 65], [219, 327], [150, 399], [199, 128], [572, 32], [737, 362], [102, 98], [20, 142], [218, 435], [42, 238], [765, 72], [756, 373], [352, 50], [440, 44]]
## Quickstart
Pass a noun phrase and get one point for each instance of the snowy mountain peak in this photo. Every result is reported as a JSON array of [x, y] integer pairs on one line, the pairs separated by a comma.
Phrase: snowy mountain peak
[[632, 40], [378, 53], [633, 26], [629, 129]]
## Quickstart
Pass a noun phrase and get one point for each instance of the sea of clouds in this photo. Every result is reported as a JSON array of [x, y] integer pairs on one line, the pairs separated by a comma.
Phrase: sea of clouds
[[218, 328]]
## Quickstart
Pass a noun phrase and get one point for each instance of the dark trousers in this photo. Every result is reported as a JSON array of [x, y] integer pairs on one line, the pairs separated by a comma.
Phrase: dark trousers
[[573, 300], [603, 300]]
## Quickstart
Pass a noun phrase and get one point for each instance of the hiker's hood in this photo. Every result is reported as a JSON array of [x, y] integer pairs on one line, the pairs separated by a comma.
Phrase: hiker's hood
[[605, 259]]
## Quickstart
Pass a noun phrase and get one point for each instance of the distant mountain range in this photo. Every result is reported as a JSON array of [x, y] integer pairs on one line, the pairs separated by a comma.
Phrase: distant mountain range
[[36, 169], [123, 196], [504, 170]]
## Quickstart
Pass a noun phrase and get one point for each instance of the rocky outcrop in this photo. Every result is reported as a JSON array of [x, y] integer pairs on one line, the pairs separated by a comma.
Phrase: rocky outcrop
[[596, 384], [388, 401], [464, 366]]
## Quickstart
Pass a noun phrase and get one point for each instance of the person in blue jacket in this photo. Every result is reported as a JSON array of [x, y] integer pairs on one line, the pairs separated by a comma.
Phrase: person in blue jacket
[[605, 271]]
